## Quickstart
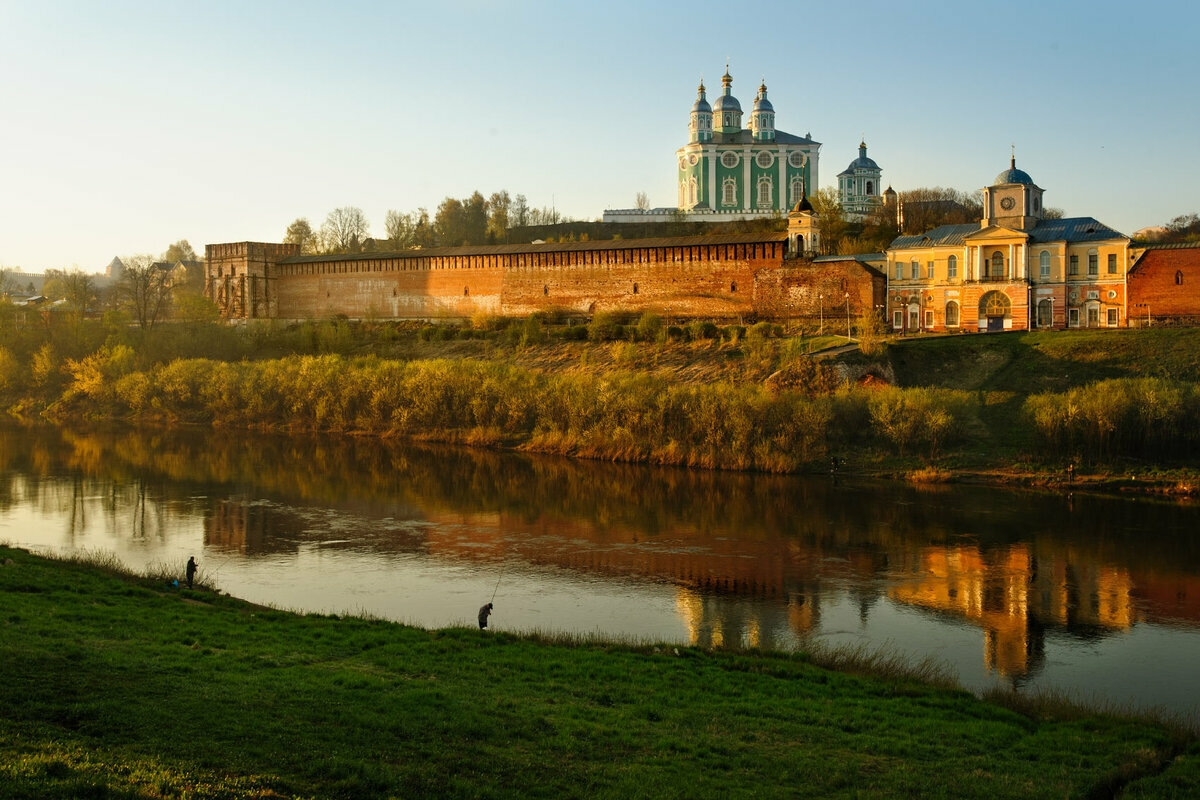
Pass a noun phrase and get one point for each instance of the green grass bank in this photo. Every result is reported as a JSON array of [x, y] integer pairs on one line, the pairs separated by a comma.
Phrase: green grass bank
[[114, 685]]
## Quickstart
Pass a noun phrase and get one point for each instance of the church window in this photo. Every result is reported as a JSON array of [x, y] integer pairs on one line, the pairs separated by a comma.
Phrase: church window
[[1074, 268], [729, 160], [1037, 204], [952, 268], [729, 192], [1044, 264], [952, 314], [764, 159], [764, 192], [1112, 263], [796, 160], [794, 192], [1179, 277], [1093, 263], [997, 264], [870, 187]]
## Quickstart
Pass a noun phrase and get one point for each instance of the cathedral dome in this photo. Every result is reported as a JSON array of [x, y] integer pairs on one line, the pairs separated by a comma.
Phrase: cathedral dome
[[727, 102], [862, 162], [761, 103], [1013, 175], [701, 105]]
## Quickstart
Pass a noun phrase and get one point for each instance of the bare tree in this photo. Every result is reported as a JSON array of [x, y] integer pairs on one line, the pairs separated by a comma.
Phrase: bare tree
[[642, 202], [145, 290], [344, 230], [300, 232], [519, 213], [8, 282], [401, 229]]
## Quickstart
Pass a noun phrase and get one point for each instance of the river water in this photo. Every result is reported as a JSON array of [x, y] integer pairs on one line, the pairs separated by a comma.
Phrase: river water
[[1094, 596]]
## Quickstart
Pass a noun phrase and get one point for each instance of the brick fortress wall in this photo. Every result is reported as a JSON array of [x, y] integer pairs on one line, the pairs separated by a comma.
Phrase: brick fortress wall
[[714, 277], [1165, 282]]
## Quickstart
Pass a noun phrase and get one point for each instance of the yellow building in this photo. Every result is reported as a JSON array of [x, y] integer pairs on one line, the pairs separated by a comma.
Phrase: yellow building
[[1016, 270]]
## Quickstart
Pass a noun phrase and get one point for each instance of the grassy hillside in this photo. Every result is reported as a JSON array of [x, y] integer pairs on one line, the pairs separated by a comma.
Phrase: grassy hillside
[[118, 686]]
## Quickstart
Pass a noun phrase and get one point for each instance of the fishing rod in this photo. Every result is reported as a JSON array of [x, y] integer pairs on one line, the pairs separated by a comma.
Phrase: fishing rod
[[498, 577]]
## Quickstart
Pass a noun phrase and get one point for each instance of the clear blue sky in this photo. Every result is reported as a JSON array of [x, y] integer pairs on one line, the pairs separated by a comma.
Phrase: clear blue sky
[[125, 126]]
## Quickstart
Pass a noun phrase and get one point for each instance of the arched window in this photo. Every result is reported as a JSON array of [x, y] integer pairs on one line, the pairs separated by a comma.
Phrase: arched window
[[692, 191], [952, 270], [1044, 264], [870, 187], [729, 192], [952, 314], [1179, 278], [1045, 311], [794, 191], [764, 192], [997, 264]]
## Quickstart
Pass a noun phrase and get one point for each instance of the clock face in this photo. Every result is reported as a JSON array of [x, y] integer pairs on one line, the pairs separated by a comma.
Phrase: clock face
[[1007, 203]]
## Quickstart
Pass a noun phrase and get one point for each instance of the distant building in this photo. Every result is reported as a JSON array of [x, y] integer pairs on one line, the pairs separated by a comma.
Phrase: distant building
[[858, 185], [726, 172], [1014, 270]]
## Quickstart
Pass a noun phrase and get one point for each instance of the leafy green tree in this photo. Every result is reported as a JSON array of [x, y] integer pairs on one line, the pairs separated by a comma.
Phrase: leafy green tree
[[180, 251], [498, 207], [300, 232]]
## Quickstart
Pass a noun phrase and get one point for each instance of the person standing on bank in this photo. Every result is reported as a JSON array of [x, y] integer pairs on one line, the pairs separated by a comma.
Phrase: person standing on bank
[[483, 615], [191, 570]]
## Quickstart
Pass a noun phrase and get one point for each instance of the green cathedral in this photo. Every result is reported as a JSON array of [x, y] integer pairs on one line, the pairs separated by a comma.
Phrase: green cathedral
[[726, 169]]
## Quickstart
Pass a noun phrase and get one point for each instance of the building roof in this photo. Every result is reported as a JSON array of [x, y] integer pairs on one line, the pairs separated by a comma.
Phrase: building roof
[[1013, 175], [1075, 229], [551, 247], [946, 235], [746, 136]]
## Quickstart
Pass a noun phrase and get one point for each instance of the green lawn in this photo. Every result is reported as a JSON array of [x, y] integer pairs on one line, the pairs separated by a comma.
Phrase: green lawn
[[121, 686]]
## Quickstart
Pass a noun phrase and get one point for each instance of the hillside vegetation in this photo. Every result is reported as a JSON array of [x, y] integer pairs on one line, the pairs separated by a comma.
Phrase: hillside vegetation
[[759, 397]]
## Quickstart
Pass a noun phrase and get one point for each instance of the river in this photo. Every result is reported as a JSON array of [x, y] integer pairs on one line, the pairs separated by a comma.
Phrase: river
[[1094, 596]]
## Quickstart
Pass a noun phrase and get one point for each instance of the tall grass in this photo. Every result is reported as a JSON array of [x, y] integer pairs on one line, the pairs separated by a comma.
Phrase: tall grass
[[626, 416]]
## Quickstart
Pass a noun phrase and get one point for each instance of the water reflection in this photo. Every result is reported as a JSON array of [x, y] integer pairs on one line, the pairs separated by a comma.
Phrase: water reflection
[[737, 559]]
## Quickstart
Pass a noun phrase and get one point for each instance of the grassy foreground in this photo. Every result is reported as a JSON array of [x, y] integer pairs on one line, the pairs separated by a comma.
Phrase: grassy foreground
[[119, 686]]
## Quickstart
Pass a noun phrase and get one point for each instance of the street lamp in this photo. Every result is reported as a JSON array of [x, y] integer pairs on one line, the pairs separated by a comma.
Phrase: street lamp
[[1051, 313], [821, 297], [848, 339]]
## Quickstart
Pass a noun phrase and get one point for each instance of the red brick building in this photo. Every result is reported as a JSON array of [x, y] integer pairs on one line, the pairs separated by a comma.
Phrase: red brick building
[[1164, 285]]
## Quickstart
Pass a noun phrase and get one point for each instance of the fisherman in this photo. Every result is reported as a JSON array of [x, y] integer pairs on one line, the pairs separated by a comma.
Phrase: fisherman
[[191, 570], [483, 615]]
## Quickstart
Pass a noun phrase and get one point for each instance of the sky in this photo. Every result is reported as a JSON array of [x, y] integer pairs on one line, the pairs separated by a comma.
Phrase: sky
[[127, 126]]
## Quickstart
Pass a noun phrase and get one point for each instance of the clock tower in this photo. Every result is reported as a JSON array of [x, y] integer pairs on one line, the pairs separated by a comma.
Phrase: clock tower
[[1012, 201]]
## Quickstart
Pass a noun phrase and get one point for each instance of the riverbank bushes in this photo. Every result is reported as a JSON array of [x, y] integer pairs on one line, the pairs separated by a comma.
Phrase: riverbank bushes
[[627, 416], [1123, 417]]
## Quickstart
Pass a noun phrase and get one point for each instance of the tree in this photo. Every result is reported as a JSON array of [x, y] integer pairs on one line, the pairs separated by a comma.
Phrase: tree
[[831, 219], [8, 281], [519, 212], [401, 229], [475, 217], [300, 232], [642, 202], [498, 207], [180, 251], [449, 223], [927, 208], [144, 290], [344, 230]]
